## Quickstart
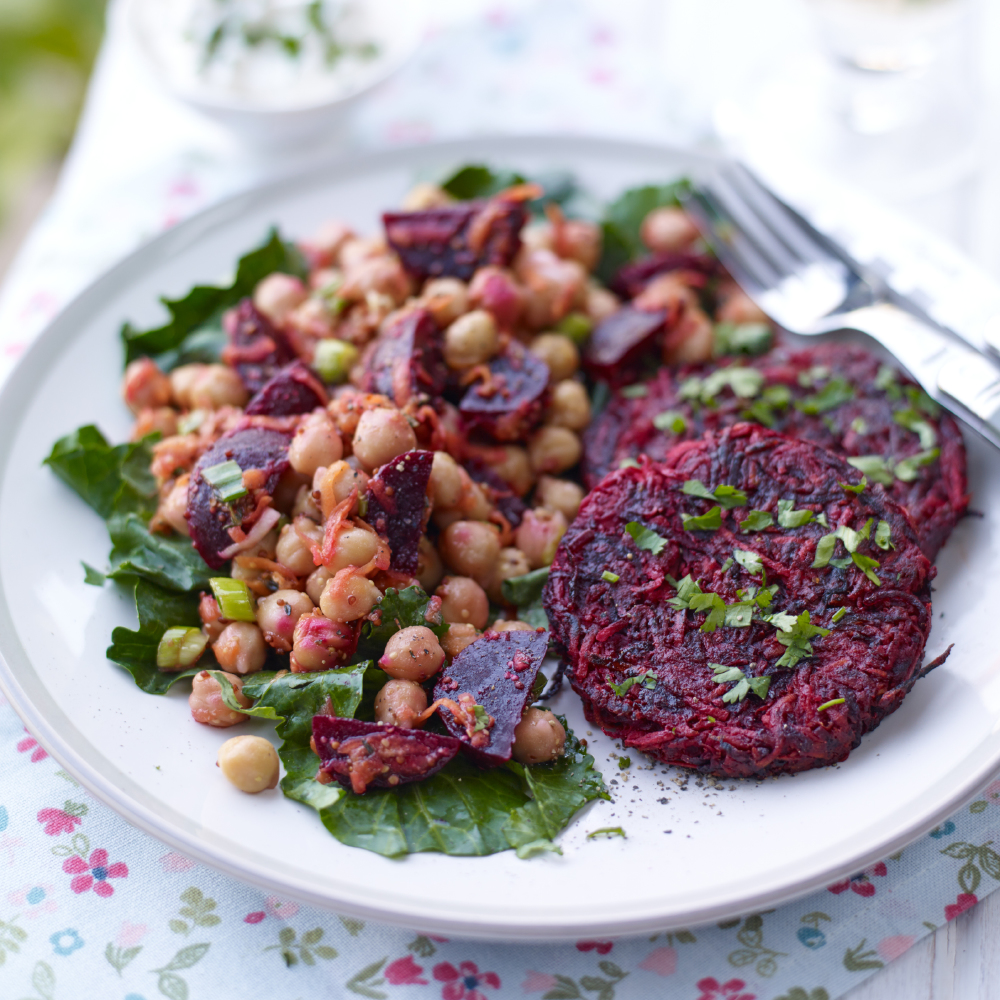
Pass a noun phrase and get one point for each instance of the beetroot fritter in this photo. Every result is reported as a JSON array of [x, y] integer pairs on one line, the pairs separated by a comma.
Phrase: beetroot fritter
[[661, 664], [836, 395]]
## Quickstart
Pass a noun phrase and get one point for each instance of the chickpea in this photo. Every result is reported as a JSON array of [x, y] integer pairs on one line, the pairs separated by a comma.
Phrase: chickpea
[[559, 494], [383, 275], [514, 467], [510, 564], [316, 444], [347, 597], [250, 763], [382, 434], [471, 340], [429, 566], [163, 420], [277, 615], [668, 229], [471, 548], [318, 643], [578, 240], [305, 505], [539, 737], [600, 303], [512, 625], [174, 504], [538, 236], [498, 292], [691, 341], [424, 195], [569, 406], [538, 535], [277, 295], [144, 386], [343, 478], [738, 307], [553, 286], [287, 490], [463, 602], [558, 352], [207, 706], [360, 248], [554, 449], [353, 547], [181, 381], [328, 240], [241, 648], [457, 638], [316, 581], [293, 549], [412, 654], [445, 486], [211, 619], [215, 386], [668, 291], [445, 299], [399, 703]]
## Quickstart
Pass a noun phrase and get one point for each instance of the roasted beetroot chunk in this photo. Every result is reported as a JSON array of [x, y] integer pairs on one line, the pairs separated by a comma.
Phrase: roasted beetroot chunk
[[295, 389], [496, 673], [836, 395], [397, 506], [619, 341], [509, 404], [640, 634], [634, 277], [256, 349], [499, 494], [361, 755], [207, 518], [456, 241], [405, 361]]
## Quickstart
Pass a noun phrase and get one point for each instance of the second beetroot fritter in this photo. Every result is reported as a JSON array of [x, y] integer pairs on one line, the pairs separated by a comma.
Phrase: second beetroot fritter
[[704, 644]]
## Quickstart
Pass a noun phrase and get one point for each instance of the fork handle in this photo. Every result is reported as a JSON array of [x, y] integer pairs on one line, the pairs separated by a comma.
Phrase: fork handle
[[961, 379]]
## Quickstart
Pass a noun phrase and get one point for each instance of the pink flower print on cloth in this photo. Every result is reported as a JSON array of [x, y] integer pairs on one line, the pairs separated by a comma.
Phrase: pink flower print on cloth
[[965, 901], [30, 743], [861, 884], [732, 989], [405, 972], [463, 983], [94, 873], [65, 820], [33, 900], [280, 908]]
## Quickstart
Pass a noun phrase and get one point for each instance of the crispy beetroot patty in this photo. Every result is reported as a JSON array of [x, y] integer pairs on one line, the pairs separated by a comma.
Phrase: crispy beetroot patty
[[609, 631], [862, 419]]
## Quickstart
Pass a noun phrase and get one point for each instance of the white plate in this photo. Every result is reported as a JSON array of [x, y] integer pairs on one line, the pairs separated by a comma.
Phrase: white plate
[[691, 856]]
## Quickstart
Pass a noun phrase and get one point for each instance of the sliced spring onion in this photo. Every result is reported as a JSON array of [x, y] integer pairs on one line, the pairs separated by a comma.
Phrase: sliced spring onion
[[180, 648], [334, 359], [830, 704], [226, 479], [235, 603], [576, 326], [610, 577]]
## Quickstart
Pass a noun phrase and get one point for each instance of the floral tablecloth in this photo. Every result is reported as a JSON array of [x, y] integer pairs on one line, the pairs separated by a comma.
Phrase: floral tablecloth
[[89, 907]]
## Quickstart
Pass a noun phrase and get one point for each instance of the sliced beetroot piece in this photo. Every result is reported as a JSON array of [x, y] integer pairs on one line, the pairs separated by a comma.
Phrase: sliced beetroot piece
[[458, 240], [496, 674], [256, 349], [295, 389], [397, 506], [509, 404], [620, 340], [405, 361], [498, 492], [364, 754], [208, 519], [634, 277]]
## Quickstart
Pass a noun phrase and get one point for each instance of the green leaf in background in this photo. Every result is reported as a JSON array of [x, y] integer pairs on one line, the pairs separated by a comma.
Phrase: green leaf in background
[[476, 180], [135, 650], [167, 560], [400, 609], [111, 478], [525, 589], [204, 304], [623, 221]]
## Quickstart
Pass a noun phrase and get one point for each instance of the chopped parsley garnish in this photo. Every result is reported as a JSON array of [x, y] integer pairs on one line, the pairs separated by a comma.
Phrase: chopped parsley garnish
[[607, 831], [636, 391], [727, 564], [883, 536], [646, 538], [750, 561], [742, 338], [726, 496], [887, 380], [859, 488], [883, 470], [809, 378], [774, 397], [867, 565], [851, 539], [743, 684], [789, 518], [921, 401], [756, 520], [913, 421], [873, 466], [838, 614], [859, 425], [610, 577], [744, 382], [690, 597], [796, 640], [624, 763], [781, 620], [647, 680], [670, 420], [836, 392], [711, 520], [907, 469], [830, 704]]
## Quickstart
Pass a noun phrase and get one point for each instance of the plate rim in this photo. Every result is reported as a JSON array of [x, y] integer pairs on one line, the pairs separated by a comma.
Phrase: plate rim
[[27, 372]]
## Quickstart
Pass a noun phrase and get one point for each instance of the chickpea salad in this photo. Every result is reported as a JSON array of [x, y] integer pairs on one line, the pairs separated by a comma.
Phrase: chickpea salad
[[349, 472]]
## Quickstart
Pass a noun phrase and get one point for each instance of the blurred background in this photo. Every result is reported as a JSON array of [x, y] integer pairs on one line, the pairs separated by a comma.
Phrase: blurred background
[[896, 96]]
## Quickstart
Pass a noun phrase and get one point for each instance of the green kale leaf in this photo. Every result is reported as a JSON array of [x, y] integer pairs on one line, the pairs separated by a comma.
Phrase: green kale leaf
[[167, 560]]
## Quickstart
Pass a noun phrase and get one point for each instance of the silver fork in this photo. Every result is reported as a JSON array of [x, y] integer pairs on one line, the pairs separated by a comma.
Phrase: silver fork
[[807, 285]]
